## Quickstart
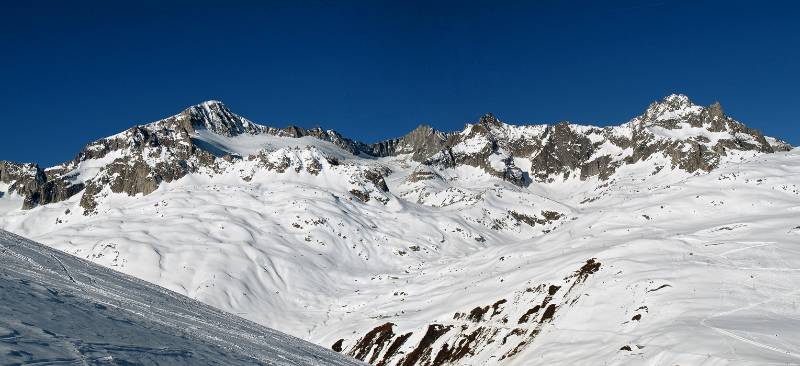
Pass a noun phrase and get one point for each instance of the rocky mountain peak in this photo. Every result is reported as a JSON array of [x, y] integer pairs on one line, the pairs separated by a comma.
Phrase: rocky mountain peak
[[214, 116], [421, 143], [489, 119], [422, 130], [716, 107], [425, 134], [672, 107], [677, 100], [715, 110]]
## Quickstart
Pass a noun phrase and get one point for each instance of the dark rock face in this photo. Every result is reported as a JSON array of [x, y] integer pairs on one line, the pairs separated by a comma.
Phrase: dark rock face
[[373, 341], [24, 179], [690, 137], [215, 117], [422, 143], [351, 146], [35, 185], [601, 167], [151, 154], [562, 152]]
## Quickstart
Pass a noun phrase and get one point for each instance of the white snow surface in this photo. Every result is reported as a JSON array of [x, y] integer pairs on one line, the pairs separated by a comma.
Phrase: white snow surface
[[246, 144], [56, 309], [686, 132]]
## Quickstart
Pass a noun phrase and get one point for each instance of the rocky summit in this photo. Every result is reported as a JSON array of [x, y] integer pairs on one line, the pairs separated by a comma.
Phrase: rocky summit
[[667, 239]]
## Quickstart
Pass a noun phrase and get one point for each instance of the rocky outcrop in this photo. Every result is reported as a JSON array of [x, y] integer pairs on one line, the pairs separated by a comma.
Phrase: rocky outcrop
[[146, 156], [562, 152], [602, 167], [481, 145], [35, 185], [351, 146], [421, 143]]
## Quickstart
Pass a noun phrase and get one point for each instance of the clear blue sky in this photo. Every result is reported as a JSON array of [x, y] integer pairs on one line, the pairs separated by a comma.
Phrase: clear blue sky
[[74, 71]]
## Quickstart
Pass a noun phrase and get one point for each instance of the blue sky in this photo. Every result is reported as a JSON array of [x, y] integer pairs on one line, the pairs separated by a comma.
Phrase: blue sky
[[73, 72]]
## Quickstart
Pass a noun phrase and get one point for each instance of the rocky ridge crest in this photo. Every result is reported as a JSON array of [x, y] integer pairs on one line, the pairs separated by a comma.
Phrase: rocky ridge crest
[[690, 137]]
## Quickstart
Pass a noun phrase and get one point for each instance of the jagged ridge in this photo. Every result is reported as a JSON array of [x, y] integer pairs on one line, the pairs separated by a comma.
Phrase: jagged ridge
[[692, 137]]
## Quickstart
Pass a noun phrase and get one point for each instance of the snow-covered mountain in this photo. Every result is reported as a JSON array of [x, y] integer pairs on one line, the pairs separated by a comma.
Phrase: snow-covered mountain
[[650, 241], [57, 309]]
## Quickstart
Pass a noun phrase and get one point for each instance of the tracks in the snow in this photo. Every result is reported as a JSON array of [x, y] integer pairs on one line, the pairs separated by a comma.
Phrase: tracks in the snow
[[727, 333]]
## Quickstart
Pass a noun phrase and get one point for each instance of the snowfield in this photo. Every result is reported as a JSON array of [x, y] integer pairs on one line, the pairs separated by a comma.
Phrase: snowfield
[[452, 265], [56, 309]]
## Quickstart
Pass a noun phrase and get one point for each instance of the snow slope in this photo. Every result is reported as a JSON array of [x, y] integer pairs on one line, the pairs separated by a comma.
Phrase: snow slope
[[678, 252], [700, 270], [709, 262], [58, 309]]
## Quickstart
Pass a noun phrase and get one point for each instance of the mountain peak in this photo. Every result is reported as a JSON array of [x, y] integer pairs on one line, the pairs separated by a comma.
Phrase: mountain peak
[[214, 116], [211, 102], [677, 100], [209, 107], [670, 108], [423, 128], [489, 119], [671, 103]]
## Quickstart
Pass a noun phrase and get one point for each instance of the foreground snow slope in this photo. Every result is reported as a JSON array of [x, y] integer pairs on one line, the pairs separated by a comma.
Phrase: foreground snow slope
[[670, 239], [58, 309]]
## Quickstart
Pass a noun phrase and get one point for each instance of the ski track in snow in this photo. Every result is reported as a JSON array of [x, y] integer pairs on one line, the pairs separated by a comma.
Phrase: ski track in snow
[[56, 309], [735, 336]]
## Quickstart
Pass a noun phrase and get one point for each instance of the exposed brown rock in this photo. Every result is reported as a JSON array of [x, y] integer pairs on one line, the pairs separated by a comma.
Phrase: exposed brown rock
[[373, 341], [476, 314], [422, 353], [464, 346], [496, 307], [549, 313], [394, 348], [527, 316], [338, 345]]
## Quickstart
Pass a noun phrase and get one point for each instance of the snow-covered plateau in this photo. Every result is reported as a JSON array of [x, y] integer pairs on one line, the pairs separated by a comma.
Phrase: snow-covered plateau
[[671, 239]]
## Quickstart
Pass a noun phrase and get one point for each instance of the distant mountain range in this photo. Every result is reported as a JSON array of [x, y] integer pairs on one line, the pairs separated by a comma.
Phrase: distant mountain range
[[139, 159]]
